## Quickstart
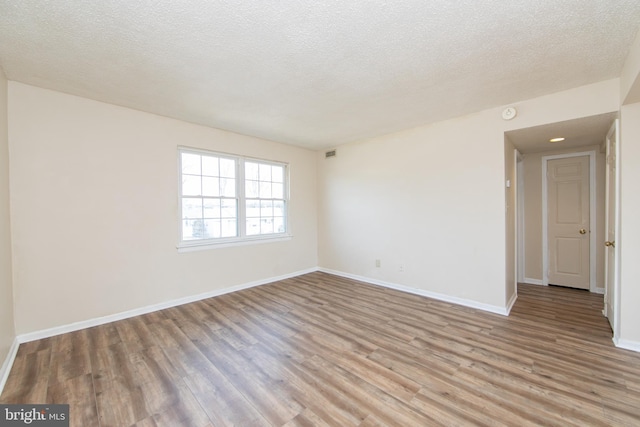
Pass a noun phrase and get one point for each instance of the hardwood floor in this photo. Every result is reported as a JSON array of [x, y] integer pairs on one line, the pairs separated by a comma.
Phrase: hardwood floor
[[320, 350]]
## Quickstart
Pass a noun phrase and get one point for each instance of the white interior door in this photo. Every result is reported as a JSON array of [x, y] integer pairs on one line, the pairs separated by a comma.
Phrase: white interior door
[[568, 222], [611, 224]]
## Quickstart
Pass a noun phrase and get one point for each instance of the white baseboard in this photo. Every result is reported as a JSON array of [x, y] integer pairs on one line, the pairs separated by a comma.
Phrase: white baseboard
[[441, 297], [76, 326], [8, 363], [511, 302], [626, 344], [598, 291], [530, 281]]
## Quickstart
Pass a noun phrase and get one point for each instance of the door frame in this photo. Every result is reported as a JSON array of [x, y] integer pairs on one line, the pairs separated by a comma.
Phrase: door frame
[[615, 322], [520, 256], [592, 216]]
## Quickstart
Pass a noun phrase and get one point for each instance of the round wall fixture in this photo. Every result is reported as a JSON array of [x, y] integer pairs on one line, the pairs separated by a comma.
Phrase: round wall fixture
[[509, 113]]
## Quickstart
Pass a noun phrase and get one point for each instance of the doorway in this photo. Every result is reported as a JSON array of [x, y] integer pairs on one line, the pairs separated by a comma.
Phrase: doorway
[[585, 136]]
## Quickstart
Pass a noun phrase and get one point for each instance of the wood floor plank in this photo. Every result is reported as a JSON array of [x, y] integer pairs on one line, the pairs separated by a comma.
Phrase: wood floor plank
[[69, 357], [35, 346], [307, 418], [368, 397], [181, 409], [135, 334], [78, 393], [103, 336], [29, 378], [222, 402], [322, 350]]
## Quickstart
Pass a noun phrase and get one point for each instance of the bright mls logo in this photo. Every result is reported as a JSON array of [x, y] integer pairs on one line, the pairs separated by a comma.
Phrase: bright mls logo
[[34, 415]]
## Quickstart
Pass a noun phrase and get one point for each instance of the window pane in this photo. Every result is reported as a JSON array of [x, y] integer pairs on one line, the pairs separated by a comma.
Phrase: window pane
[[251, 171], [229, 228], [198, 229], [277, 174], [191, 185], [253, 226], [191, 208], [277, 191], [265, 172], [253, 209], [227, 187], [266, 226], [210, 186], [211, 228], [227, 168], [266, 208], [212, 208], [187, 229], [278, 225], [265, 190], [228, 208], [210, 166], [251, 189], [190, 163], [278, 208]]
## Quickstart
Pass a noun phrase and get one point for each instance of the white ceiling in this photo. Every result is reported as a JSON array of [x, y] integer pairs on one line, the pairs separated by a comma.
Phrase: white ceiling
[[314, 73]]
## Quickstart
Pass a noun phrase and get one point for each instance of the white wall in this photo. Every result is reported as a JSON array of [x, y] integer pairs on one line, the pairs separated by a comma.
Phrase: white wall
[[630, 76], [428, 198], [432, 198], [7, 331], [95, 206], [629, 238]]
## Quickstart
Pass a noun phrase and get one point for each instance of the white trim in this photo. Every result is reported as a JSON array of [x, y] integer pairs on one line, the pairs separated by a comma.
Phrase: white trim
[[521, 219], [202, 245], [626, 344], [517, 157], [511, 302], [616, 303], [45, 333], [441, 297], [592, 216], [593, 230], [530, 281], [8, 363], [598, 291]]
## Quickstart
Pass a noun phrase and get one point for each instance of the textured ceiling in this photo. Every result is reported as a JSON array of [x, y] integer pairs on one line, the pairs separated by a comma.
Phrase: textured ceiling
[[314, 73]]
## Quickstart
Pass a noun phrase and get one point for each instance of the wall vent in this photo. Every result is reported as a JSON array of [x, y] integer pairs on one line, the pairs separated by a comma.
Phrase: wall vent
[[331, 153]]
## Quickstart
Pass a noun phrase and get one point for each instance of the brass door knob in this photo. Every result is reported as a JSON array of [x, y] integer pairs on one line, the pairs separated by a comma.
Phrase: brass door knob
[[612, 244], [583, 231]]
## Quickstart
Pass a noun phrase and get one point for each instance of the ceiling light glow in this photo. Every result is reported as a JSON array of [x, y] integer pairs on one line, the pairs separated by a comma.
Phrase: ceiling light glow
[[556, 139]]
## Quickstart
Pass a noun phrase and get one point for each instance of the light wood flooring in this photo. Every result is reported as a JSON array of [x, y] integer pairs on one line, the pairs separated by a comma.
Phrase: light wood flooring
[[320, 350]]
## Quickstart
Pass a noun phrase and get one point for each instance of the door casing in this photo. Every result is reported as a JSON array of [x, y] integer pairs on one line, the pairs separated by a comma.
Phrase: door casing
[[614, 318], [592, 216]]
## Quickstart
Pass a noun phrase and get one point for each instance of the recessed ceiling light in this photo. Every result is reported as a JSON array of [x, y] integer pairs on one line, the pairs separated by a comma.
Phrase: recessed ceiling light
[[556, 139]]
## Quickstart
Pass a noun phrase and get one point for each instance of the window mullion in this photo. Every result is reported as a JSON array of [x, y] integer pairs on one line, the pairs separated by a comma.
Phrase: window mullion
[[201, 192], [241, 204]]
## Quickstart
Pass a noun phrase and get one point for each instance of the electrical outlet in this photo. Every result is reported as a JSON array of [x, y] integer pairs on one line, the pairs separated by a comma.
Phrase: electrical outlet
[[378, 263]]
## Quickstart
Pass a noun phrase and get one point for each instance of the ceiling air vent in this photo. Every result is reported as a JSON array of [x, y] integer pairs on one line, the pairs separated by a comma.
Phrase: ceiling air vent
[[331, 153]]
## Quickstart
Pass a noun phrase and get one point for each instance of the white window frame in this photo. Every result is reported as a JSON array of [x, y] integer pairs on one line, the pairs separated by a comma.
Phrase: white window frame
[[242, 238]]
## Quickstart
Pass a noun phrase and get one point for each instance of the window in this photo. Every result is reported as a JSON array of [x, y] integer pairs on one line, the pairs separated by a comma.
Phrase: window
[[225, 198]]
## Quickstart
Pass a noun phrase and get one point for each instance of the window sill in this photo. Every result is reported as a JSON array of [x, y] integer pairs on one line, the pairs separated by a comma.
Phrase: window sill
[[206, 245]]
